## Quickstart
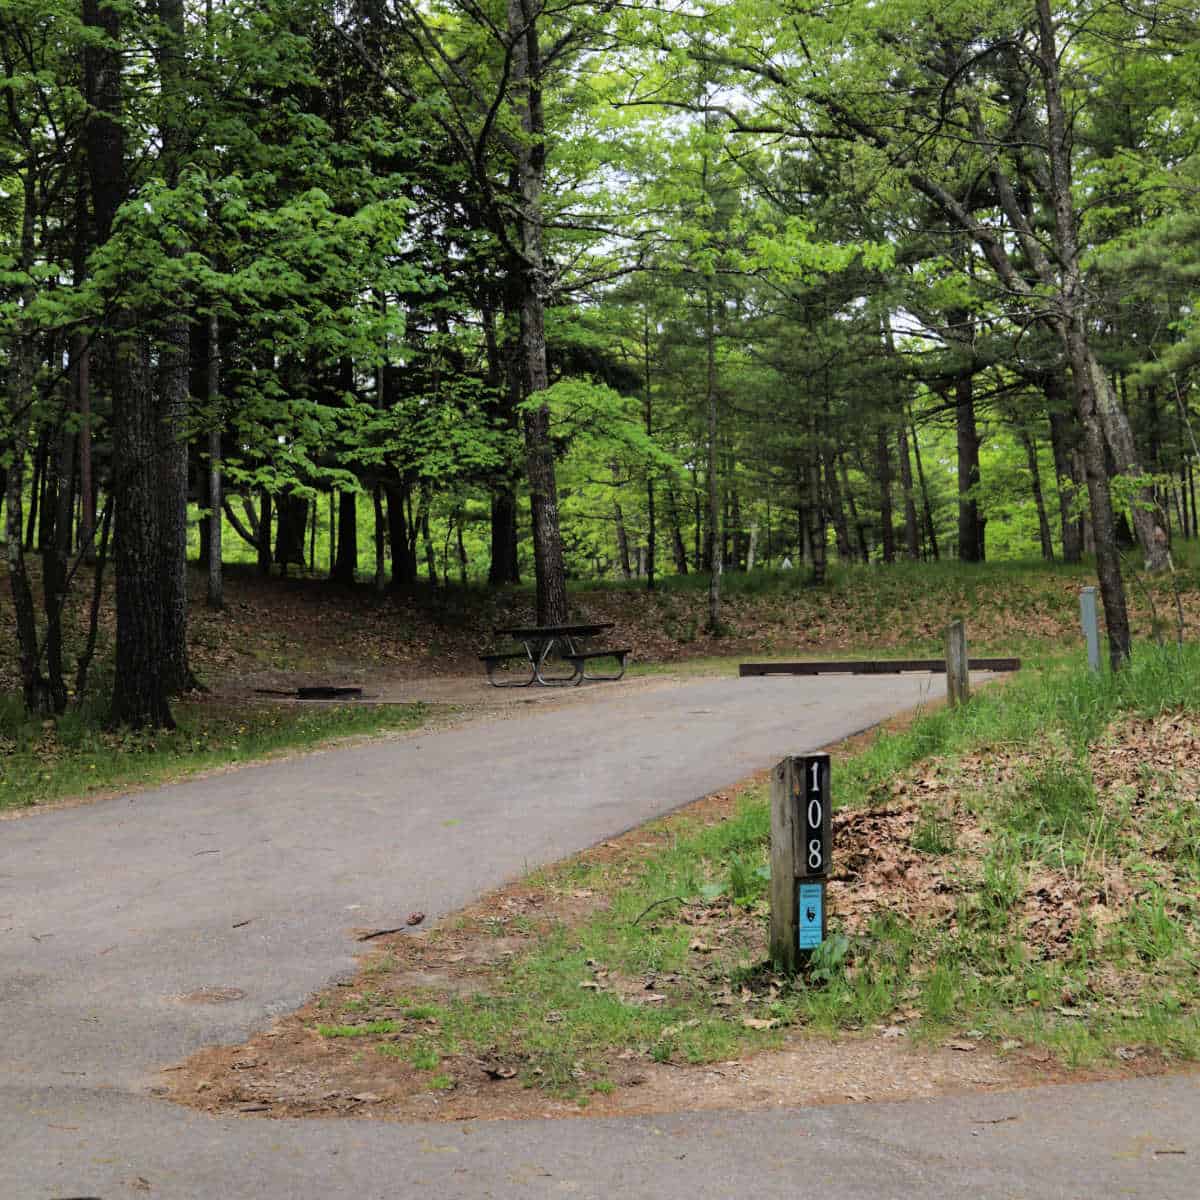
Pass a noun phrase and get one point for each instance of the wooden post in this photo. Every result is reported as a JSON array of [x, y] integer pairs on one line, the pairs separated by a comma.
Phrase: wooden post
[[1091, 626], [801, 829], [958, 687]]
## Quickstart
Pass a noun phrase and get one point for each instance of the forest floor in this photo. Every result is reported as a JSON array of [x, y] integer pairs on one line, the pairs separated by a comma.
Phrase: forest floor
[[1014, 903]]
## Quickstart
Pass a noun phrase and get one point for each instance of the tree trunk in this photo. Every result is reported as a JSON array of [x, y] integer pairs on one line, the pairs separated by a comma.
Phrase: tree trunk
[[1062, 439], [1072, 326], [622, 540], [215, 597], [837, 507], [462, 547], [970, 528], [504, 568], [54, 563], [143, 678], [883, 460], [815, 508], [912, 534], [174, 352], [81, 372], [1147, 520], [404, 564], [172, 456], [648, 415], [1035, 481], [262, 532], [504, 382], [246, 534], [930, 531], [36, 488], [677, 546], [141, 681], [345, 566], [864, 548], [290, 528], [712, 550], [380, 538], [35, 691], [530, 166], [426, 537]]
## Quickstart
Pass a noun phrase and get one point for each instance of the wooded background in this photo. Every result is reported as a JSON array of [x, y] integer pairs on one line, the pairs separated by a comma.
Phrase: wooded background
[[483, 292]]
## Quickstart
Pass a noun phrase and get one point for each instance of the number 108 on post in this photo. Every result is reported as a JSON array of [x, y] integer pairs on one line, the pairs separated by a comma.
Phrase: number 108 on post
[[813, 861]]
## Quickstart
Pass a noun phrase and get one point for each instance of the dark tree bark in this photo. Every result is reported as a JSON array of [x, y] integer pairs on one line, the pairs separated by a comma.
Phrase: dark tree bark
[[262, 531], [504, 383], [427, 537], [864, 548], [1091, 386], [55, 556], [926, 507], [504, 559], [345, 565], [142, 681], [463, 562], [1035, 483], [290, 527], [215, 595], [883, 460], [380, 538], [81, 370], [677, 545], [712, 546], [970, 527], [1063, 437], [172, 490], [622, 539], [33, 527], [247, 535], [815, 510], [404, 563], [912, 534], [526, 75], [837, 508], [19, 397], [174, 369]]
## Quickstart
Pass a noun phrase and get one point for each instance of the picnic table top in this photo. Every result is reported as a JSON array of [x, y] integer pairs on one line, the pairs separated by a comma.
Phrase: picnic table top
[[551, 631]]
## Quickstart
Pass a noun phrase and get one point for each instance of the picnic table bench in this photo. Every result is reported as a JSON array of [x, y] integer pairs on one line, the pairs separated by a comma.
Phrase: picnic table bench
[[538, 643]]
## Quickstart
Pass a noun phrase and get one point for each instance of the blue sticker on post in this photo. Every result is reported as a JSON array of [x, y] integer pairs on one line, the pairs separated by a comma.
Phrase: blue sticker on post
[[810, 920]]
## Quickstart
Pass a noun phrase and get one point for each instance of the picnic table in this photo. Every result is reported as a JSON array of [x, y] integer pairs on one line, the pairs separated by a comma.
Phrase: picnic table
[[538, 644]]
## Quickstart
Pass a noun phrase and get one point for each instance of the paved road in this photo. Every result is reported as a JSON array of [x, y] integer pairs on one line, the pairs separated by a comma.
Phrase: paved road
[[251, 881]]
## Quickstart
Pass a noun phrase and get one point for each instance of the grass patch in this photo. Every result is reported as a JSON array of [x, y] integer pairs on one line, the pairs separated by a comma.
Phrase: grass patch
[[75, 755], [1008, 871]]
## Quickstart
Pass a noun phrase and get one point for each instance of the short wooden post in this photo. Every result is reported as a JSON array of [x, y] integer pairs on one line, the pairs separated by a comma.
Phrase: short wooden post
[[801, 828], [1091, 626], [958, 687]]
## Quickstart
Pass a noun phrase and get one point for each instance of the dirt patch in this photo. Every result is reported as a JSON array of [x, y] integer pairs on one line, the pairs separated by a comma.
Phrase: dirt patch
[[291, 1071]]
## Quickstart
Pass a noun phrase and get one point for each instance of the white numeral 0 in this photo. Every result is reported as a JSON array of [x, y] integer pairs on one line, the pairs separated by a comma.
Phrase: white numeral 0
[[814, 854], [814, 813]]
